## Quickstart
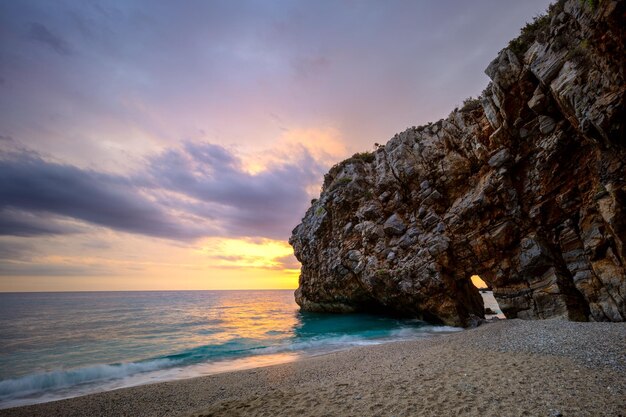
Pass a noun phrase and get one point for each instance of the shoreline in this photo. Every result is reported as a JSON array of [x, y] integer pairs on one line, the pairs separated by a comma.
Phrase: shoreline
[[160, 376], [275, 355], [510, 367]]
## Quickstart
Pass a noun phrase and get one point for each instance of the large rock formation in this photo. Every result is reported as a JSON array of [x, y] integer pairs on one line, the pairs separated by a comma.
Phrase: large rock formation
[[525, 186]]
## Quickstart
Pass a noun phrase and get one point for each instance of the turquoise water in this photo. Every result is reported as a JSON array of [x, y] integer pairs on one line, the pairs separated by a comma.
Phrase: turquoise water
[[59, 345]]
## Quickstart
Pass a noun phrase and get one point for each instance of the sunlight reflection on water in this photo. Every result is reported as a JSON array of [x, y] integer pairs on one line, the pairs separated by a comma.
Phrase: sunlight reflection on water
[[57, 345]]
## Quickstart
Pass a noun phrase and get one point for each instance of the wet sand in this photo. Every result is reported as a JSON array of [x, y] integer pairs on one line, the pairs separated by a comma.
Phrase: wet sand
[[506, 368]]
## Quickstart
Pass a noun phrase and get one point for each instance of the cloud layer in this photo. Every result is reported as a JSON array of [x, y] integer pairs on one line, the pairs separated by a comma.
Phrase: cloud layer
[[196, 190], [133, 132], [109, 80]]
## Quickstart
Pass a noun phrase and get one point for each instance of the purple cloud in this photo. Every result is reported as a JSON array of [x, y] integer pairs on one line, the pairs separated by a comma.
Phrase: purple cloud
[[196, 191], [40, 33], [28, 224], [35, 190], [268, 204]]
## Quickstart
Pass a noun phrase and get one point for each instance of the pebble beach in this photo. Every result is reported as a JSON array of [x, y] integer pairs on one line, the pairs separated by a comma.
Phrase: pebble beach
[[503, 368]]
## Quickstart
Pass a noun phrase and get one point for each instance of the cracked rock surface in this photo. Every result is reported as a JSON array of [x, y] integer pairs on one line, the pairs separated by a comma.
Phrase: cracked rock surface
[[525, 186]]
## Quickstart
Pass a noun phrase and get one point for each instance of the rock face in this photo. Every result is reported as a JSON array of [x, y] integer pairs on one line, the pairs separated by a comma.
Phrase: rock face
[[525, 186]]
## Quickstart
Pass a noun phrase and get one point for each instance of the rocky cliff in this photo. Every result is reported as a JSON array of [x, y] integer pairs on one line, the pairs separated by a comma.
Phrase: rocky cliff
[[525, 186]]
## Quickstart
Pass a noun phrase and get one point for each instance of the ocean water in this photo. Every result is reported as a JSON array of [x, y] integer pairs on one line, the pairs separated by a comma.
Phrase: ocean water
[[61, 345]]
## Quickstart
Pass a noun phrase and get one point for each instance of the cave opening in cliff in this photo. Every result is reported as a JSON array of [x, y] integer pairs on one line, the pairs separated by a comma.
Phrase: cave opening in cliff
[[492, 308], [479, 283]]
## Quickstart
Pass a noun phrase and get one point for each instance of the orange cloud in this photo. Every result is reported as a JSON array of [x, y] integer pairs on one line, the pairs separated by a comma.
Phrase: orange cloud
[[250, 253], [121, 261], [325, 145]]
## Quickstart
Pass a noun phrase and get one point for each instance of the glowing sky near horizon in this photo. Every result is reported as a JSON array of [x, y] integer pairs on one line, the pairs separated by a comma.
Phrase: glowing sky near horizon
[[174, 145]]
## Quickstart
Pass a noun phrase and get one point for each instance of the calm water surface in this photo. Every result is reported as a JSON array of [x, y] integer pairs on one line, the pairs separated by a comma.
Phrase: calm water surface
[[59, 345]]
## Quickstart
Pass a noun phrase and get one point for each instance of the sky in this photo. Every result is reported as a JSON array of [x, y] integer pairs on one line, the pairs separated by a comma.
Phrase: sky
[[157, 145]]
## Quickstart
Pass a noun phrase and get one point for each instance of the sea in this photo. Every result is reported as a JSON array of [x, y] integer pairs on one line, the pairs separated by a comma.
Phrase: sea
[[62, 345]]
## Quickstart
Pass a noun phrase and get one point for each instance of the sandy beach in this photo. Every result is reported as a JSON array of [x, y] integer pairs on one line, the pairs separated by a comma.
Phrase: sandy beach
[[506, 368]]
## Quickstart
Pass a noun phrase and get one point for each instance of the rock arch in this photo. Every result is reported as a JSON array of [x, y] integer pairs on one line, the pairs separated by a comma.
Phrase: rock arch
[[525, 186]]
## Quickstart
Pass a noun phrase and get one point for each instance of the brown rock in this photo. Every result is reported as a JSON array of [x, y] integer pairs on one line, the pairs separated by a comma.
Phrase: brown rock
[[529, 192]]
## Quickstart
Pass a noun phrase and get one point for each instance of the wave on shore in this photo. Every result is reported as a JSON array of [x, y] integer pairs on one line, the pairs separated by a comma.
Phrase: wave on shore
[[317, 335]]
